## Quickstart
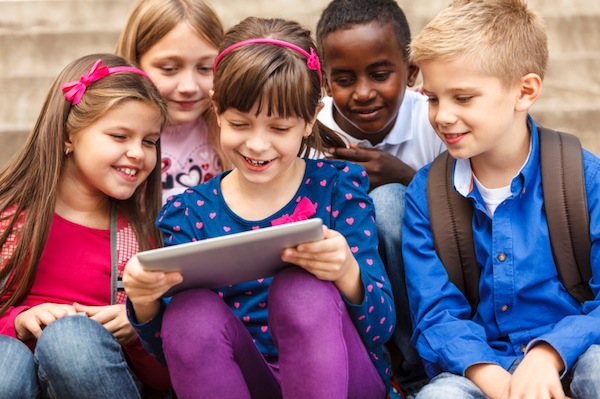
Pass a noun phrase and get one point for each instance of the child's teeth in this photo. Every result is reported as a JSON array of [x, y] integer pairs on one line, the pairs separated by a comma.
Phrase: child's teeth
[[129, 172], [256, 163]]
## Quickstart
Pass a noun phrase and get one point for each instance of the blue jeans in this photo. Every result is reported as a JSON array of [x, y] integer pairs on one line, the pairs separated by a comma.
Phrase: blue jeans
[[211, 354], [75, 357], [581, 382], [389, 204], [17, 370]]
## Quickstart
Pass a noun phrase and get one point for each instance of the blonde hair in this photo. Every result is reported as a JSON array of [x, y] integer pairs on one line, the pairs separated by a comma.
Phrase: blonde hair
[[29, 184], [503, 38], [274, 77], [150, 20]]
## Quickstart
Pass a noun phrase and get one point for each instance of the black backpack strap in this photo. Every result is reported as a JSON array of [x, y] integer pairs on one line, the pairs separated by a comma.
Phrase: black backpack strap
[[451, 215], [566, 210]]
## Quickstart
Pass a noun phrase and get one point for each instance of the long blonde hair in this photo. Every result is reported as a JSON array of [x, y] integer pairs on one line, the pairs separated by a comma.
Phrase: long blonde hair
[[29, 184]]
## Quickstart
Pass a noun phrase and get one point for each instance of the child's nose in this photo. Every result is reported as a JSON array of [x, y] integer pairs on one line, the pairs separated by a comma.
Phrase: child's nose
[[363, 91], [444, 114], [188, 82], [257, 141], [136, 151]]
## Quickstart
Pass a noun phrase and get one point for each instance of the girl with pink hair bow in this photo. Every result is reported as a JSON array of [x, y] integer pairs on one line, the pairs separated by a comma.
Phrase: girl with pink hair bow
[[76, 203]]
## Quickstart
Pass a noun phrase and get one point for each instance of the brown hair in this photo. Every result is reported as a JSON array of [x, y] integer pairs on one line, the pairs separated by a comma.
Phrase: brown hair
[[274, 77], [502, 37], [150, 20], [29, 184]]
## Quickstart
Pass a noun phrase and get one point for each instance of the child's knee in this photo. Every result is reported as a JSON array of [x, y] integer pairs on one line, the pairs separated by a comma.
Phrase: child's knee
[[199, 310], [450, 386], [586, 374], [298, 297], [69, 337]]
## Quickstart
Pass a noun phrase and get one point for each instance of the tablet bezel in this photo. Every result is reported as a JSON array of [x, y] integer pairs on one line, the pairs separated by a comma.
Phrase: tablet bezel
[[231, 259]]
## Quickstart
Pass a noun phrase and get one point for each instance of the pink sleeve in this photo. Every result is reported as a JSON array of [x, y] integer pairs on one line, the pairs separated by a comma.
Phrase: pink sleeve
[[7, 320]]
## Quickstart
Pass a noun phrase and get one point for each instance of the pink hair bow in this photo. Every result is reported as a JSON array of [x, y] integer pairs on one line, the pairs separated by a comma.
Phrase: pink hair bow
[[303, 211], [75, 90]]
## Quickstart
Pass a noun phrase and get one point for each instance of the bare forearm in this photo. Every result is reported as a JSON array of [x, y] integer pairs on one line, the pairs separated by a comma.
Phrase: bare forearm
[[490, 378]]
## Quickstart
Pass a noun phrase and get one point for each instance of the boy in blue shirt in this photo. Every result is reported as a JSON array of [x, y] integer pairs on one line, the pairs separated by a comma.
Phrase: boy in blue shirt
[[483, 63], [364, 50]]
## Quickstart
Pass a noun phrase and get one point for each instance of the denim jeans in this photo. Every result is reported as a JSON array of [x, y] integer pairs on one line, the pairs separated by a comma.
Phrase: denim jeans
[[17, 370], [211, 354], [584, 377], [75, 357], [389, 204]]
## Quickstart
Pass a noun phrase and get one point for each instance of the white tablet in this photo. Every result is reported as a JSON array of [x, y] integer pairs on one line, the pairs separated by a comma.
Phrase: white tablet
[[231, 259]]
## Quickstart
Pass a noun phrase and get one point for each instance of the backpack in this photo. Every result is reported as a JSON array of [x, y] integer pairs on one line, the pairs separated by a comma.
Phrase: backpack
[[565, 203]]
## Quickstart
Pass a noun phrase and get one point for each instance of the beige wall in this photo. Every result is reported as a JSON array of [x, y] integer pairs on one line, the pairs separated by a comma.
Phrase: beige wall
[[39, 37]]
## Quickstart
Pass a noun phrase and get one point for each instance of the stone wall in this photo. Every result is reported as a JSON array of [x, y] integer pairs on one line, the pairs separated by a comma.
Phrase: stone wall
[[39, 37]]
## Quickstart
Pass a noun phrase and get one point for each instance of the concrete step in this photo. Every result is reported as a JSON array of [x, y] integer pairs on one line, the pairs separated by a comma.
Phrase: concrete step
[[570, 33], [10, 144], [82, 15], [581, 121], [305, 12], [23, 97], [572, 80], [47, 53]]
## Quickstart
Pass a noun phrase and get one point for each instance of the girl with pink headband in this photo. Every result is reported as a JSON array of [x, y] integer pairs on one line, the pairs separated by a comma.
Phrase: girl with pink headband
[[315, 329], [76, 203]]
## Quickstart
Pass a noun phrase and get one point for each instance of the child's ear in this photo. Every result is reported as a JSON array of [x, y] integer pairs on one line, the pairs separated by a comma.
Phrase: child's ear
[[412, 73], [530, 88], [68, 143], [67, 147]]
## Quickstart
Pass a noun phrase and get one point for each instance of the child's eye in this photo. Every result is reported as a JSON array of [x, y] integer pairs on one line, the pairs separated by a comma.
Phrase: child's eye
[[380, 76], [281, 128], [432, 100], [118, 136], [463, 99], [150, 142], [205, 69], [344, 82], [236, 125], [168, 69]]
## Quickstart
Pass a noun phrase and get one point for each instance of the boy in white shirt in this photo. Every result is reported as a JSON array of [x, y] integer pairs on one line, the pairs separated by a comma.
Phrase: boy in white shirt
[[387, 130]]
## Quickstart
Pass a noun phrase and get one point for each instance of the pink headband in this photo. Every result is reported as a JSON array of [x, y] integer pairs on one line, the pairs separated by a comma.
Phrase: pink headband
[[312, 61], [74, 90]]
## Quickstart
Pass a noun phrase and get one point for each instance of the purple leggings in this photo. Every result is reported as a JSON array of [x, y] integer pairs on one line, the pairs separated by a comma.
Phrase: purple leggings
[[321, 355]]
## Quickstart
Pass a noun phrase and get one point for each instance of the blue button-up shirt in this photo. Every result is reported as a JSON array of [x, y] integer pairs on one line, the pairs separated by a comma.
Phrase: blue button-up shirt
[[522, 301]]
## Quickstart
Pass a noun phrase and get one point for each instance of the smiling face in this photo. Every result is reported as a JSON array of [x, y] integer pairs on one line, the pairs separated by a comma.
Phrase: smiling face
[[180, 65], [366, 76], [114, 155], [264, 149], [474, 114]]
